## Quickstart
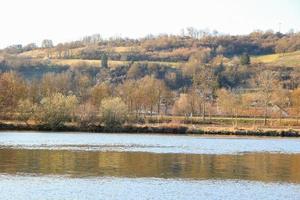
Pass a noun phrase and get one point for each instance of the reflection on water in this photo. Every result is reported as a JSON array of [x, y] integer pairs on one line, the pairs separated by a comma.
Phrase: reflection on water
[[50, 166], [253, 166]]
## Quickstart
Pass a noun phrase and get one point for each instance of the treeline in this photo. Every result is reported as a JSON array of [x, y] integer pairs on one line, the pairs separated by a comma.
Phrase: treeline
[[171, 48], [77, 97]]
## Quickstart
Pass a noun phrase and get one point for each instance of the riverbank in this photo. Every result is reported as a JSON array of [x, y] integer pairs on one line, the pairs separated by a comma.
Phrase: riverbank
[[180, 129]]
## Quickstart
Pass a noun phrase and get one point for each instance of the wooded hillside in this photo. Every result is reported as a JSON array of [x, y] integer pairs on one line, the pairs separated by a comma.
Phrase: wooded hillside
[[196, 73]]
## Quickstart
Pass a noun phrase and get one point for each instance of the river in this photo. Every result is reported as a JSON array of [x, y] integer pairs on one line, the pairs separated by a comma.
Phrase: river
[[35, 165]]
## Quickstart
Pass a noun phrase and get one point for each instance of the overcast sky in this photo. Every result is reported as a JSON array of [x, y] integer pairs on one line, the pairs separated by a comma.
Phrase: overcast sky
[[25, 21]]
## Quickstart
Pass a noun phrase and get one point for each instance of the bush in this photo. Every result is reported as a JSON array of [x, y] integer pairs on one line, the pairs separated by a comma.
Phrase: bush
[[56, 109], [26, 110], [87, 114], [113, 112]]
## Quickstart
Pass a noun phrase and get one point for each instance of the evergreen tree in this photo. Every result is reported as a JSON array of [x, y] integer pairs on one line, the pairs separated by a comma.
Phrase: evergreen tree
[[104, 61], [245, 59]]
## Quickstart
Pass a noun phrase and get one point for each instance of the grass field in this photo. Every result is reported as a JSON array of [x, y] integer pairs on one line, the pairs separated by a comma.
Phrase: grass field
[[111, 63], [42, 53], [286, 59]]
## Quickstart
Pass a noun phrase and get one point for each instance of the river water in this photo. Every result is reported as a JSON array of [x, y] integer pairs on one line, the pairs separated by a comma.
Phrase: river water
[[93, 166]]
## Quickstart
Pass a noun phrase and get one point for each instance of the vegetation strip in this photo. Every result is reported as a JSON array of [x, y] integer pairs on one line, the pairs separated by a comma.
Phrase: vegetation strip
[[149, 130]]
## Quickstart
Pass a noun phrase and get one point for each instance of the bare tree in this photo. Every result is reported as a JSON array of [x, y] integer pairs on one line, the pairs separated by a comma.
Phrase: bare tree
[[205, 83], [231, 103], [47, 43], [296, 103], [266, 83]]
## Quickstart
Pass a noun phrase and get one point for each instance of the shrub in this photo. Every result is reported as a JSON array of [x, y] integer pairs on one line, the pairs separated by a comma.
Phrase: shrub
[[56, 109], [113, 112], [26, 110], [87, 114]]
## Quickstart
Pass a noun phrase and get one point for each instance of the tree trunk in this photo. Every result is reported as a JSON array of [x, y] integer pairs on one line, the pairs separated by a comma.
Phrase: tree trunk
[[158, 108], [254, 120], [203, 112], [131, 106], [137, 114], [151, 110], [280, 119], [236, 119], [166, 109], [265, 115]]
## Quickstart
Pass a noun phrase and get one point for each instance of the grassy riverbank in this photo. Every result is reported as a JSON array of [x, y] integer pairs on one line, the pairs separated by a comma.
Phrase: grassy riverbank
[[163, 128]]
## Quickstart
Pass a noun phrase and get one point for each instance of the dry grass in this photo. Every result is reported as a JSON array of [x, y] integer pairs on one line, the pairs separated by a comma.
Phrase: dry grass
[[43, 53], [111, 63], [226, 121], [126, 49], [286, 59], [87, 63], [38, 53]]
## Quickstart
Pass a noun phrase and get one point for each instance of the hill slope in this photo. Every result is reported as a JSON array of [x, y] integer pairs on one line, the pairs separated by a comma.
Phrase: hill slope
[[281, 59]]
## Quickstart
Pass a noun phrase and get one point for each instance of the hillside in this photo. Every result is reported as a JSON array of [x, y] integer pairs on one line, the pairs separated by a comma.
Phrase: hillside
[[234, 60], [251, 76], [290, 59], [281, 59]]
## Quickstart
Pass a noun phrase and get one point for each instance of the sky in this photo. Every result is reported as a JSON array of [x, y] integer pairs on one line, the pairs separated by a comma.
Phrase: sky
[[26, 21]]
